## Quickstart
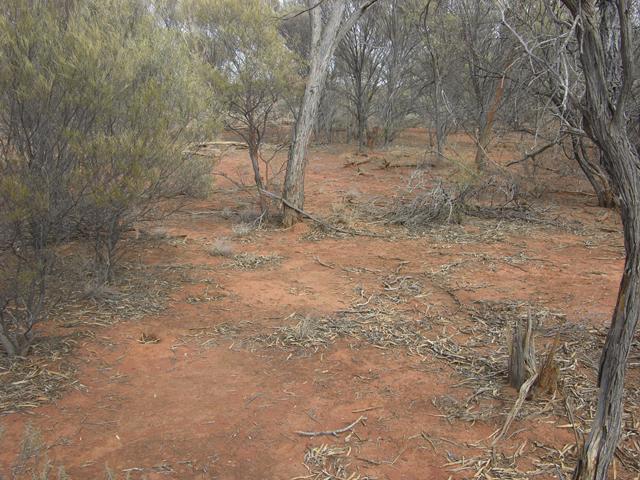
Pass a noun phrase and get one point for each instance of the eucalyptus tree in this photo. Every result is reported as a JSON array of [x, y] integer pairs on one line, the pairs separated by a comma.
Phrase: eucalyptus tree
[[330, 21], [543, 109], [400, 41], [437, 69], [359, 58], [488, 53], [602, 91], [251, 67], [610, 115]]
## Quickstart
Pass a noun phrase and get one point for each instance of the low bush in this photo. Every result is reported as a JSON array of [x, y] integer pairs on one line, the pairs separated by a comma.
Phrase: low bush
[[99, 103]]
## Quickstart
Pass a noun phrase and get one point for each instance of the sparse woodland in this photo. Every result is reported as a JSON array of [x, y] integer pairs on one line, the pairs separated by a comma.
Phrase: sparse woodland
[[334, 239]]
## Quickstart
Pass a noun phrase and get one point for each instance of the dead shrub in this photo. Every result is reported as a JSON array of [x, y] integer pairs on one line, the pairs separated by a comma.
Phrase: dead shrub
[[437, 205], [242, 229], [421, 205]]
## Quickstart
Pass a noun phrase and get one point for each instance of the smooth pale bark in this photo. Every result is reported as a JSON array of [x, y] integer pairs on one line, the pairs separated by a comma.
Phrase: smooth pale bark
[[324, 40]]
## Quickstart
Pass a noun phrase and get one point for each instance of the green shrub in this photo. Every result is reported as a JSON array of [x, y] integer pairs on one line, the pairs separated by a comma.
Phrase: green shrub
[[98, 102]]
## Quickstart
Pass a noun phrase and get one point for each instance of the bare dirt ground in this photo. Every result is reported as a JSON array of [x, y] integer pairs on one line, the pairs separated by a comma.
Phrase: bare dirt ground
[[317, 330]]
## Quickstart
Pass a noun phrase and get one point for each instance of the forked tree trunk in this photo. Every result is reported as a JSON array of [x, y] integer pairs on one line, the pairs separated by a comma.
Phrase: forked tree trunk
[[606, 54], [323, 45]]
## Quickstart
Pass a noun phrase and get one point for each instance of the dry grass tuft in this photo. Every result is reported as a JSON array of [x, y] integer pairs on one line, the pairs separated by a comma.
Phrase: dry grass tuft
[[39, 378], [330, 462], [252, 261], [221, 247], [49, 370], [242, 229]]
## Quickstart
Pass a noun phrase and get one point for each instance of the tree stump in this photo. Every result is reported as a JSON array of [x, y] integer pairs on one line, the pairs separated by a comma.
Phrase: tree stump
[[522, 355], [549, 376], [522, 370]]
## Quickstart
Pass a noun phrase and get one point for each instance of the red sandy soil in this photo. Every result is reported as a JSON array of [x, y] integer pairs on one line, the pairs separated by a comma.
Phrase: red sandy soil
[[173, 410]]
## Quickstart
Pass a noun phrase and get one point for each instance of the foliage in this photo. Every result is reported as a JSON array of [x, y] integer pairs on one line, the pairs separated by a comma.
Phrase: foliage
[[250, 66], [97, 104]]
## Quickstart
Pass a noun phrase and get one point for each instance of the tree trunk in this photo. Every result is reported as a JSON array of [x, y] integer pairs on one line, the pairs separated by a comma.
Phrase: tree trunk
[[362, 123], [254, 156], [297, 160], [484, 136], [601, 444], [388, 114], [7, 344], [323, 45], [597, 178], [600, 447], [607, 65], [439, 124]]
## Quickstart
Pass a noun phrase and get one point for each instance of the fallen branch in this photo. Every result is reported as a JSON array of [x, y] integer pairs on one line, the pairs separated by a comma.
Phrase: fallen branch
[[328, 265], [317, 220], [408, 164], [536, 152], [223, 143], [522, 396], [356, 162], [333, 432]]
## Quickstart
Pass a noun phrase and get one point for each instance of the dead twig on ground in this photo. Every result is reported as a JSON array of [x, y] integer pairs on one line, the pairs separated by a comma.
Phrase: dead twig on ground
[[335, 433]]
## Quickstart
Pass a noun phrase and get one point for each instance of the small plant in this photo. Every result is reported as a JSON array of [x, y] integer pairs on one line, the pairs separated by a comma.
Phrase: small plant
[[242, 229], [221, 248]]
